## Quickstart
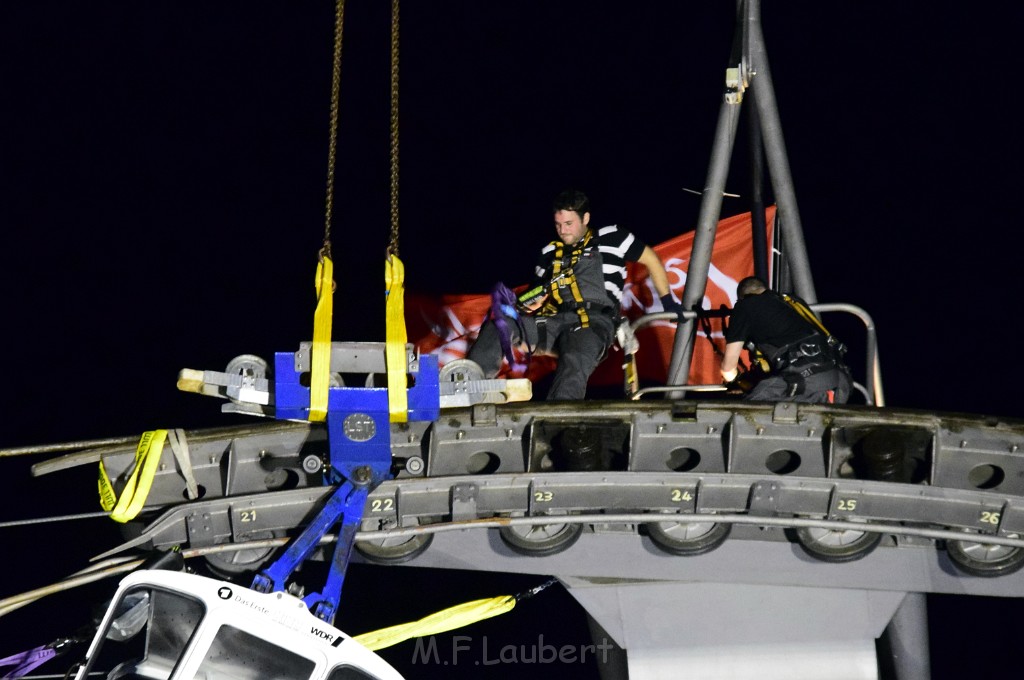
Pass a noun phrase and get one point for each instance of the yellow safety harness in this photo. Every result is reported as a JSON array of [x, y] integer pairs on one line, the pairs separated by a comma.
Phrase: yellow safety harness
[[758, 358], [566, 276]]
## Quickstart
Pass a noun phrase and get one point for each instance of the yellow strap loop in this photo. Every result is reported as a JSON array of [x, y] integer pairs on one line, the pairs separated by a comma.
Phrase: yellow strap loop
[[133, 497], [320, 367], [396, 338], [440, 622]]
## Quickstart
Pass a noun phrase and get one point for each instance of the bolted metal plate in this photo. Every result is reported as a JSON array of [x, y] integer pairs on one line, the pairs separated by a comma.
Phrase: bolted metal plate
[[359, 427]]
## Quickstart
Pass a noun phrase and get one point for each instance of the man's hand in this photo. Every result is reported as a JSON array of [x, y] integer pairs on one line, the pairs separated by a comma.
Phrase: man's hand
[[532, 300], [730, 362], [669, 304]]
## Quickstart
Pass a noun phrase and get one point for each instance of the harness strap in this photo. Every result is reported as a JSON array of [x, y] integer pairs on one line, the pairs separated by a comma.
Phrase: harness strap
[[568, 277], [556, 272], [805, 312]]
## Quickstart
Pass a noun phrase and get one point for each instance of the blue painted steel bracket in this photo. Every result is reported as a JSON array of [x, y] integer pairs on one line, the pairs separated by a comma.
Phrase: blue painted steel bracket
[[291, 397], [359, 435]]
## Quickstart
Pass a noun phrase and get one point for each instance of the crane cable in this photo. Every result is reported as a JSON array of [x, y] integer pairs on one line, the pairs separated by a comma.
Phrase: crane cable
[[320, 363], [394, 270]]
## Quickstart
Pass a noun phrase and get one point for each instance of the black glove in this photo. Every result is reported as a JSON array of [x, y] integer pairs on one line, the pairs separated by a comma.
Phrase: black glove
[[670, 305]]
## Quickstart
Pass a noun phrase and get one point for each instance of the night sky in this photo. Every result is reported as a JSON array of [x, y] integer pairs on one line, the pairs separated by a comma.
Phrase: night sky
[[164, 166]]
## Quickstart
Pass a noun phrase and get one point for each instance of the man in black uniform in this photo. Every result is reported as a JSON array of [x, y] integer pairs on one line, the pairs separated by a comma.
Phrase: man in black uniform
[[804, 366], [574, 297]]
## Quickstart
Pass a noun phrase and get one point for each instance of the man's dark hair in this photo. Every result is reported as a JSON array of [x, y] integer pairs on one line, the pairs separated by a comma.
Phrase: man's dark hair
[[750, 286], [572, 199]]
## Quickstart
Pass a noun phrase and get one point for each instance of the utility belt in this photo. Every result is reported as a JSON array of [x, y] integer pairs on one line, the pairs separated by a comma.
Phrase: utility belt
[[591, 307], [806, 370], [813, 354]]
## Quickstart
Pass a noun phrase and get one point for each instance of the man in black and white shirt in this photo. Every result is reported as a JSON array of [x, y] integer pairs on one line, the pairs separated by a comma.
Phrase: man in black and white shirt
[[574, 297]]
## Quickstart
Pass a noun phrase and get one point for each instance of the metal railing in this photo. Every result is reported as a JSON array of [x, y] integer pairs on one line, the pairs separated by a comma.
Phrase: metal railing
[[872, 390]]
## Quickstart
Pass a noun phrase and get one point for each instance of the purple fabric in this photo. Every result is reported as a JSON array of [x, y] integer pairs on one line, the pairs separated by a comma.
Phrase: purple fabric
[[26, 662], [503, 307]]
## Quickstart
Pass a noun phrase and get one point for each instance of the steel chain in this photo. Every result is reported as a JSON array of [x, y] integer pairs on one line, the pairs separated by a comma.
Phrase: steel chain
[[393, 243], [339, 22]]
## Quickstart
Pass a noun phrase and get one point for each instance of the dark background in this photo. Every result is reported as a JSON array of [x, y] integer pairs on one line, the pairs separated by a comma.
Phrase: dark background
[[162, 204]]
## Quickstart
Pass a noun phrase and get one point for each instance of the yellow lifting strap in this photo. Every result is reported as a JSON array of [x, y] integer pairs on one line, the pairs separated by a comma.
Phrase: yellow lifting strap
[[133, 497], [396, 338], [440, 622], [320, 365]]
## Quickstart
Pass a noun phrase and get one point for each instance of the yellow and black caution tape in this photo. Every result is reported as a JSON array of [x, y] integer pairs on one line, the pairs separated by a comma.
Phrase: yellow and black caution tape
[[447, 619], [320, 363], [396, 338], [136, 489]]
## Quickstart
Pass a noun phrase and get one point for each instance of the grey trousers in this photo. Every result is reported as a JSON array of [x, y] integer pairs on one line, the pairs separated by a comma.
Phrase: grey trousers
[[816, 388], [579, 350]]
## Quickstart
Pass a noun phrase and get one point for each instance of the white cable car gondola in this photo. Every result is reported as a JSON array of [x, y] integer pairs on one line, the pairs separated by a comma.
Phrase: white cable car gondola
[[164, 625]]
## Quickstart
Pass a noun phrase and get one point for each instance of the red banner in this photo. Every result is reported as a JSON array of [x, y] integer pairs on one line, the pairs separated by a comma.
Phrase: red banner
[[447, 326]]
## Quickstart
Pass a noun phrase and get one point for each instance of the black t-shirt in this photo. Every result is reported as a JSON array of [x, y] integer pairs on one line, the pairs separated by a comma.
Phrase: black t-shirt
[[767, 321]]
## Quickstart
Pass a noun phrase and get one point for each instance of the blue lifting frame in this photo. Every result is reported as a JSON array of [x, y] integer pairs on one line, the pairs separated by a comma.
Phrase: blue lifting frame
[[359, 436]]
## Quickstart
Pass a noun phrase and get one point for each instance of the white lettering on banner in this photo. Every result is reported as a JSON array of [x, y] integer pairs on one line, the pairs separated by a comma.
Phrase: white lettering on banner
[[674, 267], [726, 283], [456, 338], [454, 322]]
